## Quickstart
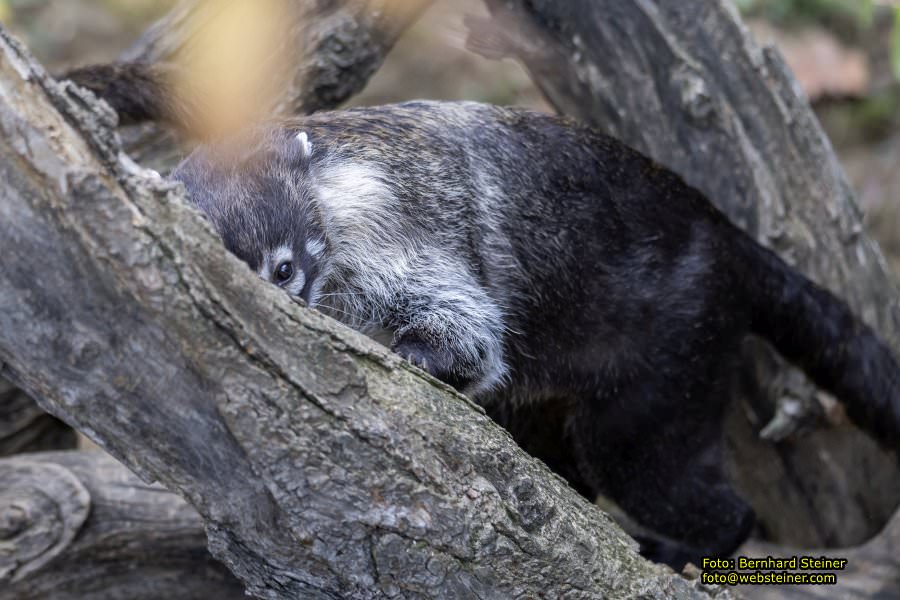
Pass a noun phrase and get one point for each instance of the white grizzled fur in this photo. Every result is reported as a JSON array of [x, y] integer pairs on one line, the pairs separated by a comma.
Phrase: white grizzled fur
[[371, 264], [316, 247], [305, 145]]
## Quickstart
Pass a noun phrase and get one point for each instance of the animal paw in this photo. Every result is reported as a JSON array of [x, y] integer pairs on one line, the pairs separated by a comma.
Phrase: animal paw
[[435, 362]]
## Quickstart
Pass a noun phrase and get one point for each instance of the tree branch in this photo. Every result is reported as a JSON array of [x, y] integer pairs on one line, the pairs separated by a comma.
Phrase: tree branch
[[334, 48], [323, 465]]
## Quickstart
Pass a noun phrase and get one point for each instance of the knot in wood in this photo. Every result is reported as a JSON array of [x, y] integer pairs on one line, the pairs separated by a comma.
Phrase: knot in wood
[[42, 508], [694, 95], [12, 521]]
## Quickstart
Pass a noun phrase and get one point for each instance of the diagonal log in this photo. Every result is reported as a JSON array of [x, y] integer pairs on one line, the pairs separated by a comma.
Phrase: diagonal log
[[323, 465], [685, 83]]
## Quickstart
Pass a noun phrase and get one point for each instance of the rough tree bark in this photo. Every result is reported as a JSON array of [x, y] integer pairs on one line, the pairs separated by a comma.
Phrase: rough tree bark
[[323, 465], [77, 525], [685, 83]]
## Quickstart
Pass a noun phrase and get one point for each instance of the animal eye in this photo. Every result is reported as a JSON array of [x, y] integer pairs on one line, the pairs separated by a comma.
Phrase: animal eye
[[284, 272]]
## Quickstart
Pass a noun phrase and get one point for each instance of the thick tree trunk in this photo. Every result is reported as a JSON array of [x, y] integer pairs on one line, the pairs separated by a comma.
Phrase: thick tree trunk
[[323, 465], [685, 83], [77, 525]]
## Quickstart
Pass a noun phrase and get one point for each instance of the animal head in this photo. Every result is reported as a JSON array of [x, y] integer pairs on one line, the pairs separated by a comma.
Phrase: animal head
[[255, 190]]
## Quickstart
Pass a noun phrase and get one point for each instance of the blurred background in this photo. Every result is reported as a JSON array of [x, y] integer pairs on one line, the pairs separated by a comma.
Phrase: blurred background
[[845, 53]]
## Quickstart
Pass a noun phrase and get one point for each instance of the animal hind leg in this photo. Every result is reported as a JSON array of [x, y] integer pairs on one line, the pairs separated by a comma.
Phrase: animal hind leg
[[658, 454]]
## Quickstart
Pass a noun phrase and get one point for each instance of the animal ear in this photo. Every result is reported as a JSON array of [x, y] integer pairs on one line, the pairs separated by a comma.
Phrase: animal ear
[[305, 145]]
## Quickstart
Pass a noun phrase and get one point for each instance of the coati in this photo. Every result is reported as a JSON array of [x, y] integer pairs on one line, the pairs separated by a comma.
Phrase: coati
[[524, 258]]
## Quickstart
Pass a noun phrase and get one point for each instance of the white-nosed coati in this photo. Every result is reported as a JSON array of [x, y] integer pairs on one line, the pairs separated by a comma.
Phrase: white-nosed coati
[[524, 258]]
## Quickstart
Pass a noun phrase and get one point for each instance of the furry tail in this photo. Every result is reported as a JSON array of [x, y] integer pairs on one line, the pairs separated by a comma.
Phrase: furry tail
[[138, 92], [815, 330]]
